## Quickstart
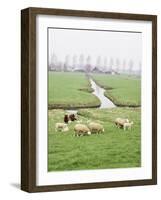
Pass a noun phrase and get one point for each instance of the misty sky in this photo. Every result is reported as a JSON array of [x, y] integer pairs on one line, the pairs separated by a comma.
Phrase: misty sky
[[116, 45]]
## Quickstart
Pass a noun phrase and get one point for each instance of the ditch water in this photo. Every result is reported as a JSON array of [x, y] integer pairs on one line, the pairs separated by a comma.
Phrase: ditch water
[[99, 93]]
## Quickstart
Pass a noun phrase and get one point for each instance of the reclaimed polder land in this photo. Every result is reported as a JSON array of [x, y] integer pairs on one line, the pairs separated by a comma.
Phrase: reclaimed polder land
[[114, 148], [122, 90], [70, 90]]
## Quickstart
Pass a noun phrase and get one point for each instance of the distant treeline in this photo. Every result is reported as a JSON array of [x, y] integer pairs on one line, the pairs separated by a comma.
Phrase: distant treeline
[[102, 65]]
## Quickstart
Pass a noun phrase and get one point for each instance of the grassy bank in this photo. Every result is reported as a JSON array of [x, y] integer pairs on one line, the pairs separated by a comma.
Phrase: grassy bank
[[70, 90], [123, 90], [115, 148]]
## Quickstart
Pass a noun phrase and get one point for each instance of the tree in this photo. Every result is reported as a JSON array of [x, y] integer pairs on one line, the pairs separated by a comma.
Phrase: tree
[[66, 63], [140, 66], [98, 62], [88, 64], [124, 65], [61, 66], [81, 61], [53, 62], [111, 64], [74, 62], [131, 65], [105, 64], [117, 64]]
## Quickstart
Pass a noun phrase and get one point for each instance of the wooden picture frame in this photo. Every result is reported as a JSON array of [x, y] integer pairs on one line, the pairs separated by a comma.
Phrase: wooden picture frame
[[28, 98]]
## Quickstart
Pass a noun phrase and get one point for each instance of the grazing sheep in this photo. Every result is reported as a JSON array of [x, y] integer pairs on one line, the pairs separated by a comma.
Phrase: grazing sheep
[[61, 127], [120, 122], [79, 121], [72, 117], [96, 128], [66, 119], [81, 130], [127, 125], [69, 118], [65, 129]]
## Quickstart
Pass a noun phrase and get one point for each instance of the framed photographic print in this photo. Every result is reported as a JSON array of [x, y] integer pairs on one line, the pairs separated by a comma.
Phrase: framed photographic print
[[88, 99]]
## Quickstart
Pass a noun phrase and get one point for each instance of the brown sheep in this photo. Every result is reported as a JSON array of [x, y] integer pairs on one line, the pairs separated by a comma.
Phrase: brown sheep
[[66, 119], [72, 117]]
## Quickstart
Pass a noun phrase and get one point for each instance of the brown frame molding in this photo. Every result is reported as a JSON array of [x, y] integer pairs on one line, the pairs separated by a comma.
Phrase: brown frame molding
[[28, 98]]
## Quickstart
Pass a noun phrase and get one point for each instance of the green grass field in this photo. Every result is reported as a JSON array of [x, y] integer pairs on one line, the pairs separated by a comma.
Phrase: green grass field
[[67, 90], [123, 90], [115, 148]]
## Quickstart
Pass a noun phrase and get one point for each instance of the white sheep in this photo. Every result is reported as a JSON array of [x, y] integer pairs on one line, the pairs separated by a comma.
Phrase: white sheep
[[128, 125], [81, 130], [61, 127], [95, 127], [79, 121], [120, 122]]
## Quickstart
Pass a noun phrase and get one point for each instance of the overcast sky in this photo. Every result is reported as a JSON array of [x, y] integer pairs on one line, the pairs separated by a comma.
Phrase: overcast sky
[[117, 45]]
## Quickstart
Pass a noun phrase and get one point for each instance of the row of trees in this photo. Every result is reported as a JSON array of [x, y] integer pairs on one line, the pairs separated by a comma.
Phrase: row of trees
[[102, 64]]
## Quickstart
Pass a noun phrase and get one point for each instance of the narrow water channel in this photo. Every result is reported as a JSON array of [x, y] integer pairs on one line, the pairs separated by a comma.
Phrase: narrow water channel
[[99, 93]]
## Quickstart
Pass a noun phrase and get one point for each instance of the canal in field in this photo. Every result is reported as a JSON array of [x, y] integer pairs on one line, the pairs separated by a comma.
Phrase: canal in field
[[99, 93]]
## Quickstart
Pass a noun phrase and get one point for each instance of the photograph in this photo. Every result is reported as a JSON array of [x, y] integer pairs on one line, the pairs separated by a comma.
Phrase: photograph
[[89, 99], [94, 99]]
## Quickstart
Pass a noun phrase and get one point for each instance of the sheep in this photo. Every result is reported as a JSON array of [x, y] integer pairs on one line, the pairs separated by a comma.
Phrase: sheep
[[72, 117], [120, 122], [96, 128], [79, 121], [65, 129], [66, 119], [61, 127], [69, 118], [81, 130], [127, 125]]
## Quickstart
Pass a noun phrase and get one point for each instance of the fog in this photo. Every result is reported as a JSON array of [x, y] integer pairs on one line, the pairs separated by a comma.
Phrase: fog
[[101, 48]]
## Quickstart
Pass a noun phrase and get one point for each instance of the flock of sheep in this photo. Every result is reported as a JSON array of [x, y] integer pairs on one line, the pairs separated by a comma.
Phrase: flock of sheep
[[92, 127], [123, 123]]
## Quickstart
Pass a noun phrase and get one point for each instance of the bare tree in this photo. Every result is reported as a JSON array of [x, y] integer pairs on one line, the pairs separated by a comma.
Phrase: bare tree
[[117, 64], [88, 64], [124, 65], [53, 62], [61, 66], [98, 62], [66, 63], [131, 65], [81, 61], [140, 66], [111, 64], [105, 64], [74, 62]]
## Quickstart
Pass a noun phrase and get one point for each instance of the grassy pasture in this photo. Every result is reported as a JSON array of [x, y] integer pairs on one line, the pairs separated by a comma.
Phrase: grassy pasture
[[123, 90], [115, 148], [68, 90]]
